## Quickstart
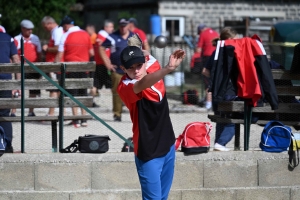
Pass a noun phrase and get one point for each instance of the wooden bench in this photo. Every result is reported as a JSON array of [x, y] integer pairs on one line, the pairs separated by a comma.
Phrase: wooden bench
[[47, 102], [288, 109]]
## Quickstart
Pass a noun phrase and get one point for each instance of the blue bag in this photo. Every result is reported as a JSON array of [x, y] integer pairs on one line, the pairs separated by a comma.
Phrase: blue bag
[[2, 141], [276, 137]]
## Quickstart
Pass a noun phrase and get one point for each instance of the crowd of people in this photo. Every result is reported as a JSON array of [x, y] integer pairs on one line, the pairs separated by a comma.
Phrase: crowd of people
[[104, 47]]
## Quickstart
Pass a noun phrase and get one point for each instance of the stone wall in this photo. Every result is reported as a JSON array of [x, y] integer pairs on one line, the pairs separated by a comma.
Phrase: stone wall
[[214, 14], [215, 175]]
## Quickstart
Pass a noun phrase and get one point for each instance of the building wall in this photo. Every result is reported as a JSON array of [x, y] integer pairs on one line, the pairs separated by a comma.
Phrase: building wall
[[214, 14]]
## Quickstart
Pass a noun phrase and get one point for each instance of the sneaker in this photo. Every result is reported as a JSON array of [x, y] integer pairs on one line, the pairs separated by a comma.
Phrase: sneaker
[[95, 105], [83, 123], [219, 147], [9, 149], [13, 115], [75, 123], [31, 114], [117, 118]]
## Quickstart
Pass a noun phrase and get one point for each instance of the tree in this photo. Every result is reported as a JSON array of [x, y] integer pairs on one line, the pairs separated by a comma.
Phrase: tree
[[14, 11]]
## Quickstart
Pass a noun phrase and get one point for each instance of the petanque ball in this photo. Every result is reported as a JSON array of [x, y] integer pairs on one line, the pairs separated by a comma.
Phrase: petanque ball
[[160, 41]]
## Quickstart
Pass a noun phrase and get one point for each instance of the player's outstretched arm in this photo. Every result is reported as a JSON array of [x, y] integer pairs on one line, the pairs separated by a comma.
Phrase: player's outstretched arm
[[150, 79]]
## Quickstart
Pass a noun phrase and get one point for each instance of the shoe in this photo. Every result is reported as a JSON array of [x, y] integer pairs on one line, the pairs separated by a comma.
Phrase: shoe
[[75, 123], [13, 115], [84, 123], [117, 118], [219, 147], [9, 149], [95, 105], [31, 114]]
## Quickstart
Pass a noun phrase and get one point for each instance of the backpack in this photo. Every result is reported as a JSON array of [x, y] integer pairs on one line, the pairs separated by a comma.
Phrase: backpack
[[2, 141], [190, 97], [195, 138], [275, 137]]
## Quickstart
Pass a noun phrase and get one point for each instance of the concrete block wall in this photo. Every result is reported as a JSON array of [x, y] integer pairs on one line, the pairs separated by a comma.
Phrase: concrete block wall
[[215, 175], [212, 13]]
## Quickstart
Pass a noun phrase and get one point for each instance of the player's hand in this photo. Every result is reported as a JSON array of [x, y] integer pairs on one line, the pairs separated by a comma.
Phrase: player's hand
[[175, 59], [45, 47], [112, 67]]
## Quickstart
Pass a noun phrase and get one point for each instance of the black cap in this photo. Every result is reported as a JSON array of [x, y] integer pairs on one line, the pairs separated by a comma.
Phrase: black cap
[[132, 55], [66, 20], [123, 22], [134, 21]]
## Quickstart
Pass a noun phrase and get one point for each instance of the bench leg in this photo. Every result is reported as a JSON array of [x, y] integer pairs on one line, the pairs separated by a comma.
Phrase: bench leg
[[237, 137], [54, 136], [247, 124]]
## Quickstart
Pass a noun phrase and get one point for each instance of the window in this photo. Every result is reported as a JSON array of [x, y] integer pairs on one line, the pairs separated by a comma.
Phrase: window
[[173, 23]]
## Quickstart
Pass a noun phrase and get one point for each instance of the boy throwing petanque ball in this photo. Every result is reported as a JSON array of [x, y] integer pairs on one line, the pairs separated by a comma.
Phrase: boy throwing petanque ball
[[153, 136]]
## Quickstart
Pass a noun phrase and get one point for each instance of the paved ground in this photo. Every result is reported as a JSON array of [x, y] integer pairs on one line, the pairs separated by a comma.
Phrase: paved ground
[[38, 135]]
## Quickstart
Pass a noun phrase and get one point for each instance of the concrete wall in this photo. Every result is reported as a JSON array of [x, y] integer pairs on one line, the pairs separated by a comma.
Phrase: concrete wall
[[212, 13], [215, 175]]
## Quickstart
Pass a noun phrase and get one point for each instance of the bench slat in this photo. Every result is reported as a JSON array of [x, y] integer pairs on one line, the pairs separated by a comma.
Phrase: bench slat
[[47, 102], [44, 118], [288, 90], [219, 119], [43, 84], [238, 106], [284, 75], [48, 67]]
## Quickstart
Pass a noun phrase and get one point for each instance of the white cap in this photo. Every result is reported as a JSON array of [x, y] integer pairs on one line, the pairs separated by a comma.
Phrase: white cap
[[27, 24]]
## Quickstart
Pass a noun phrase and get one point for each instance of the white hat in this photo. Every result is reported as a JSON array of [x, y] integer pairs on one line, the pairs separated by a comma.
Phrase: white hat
[[27, 24]]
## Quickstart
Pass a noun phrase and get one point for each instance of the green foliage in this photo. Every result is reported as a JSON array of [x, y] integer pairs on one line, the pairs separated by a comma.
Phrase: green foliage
[[14, 11]]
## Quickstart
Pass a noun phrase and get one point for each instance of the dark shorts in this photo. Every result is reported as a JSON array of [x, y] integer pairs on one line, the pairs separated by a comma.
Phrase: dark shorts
[[33, 76], [101, 77], [77, 92], [58, 76]]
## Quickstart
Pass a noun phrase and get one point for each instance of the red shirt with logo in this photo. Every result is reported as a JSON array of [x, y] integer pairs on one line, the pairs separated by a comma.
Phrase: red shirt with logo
[[32, 47], [56, 35], [101, 37], [141, 34], [205, 41], [153, 133], [75, 43]]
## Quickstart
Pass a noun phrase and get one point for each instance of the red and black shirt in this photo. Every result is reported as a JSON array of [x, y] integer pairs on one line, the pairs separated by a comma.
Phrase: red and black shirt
[[153, 133]]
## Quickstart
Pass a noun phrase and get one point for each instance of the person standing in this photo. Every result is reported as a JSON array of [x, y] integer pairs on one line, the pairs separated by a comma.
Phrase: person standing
[[32, 52], [75, 46], [205, 49], [51, 49], [133, 27], [116, 41], [144, 94], [101, 75], [8, 53], [224, 131]]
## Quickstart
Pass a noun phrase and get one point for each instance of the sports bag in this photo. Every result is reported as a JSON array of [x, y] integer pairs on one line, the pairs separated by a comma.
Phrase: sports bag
[[2, 141], [275, 137], [89, 144], [195, 138], [190, 97]]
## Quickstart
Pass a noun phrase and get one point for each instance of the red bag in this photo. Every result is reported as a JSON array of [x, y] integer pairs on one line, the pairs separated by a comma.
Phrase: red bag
[[195, 138]]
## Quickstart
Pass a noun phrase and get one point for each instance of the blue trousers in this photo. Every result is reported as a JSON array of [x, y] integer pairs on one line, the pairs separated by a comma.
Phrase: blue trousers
[[224, 133], [7, 126], [156, 175]]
